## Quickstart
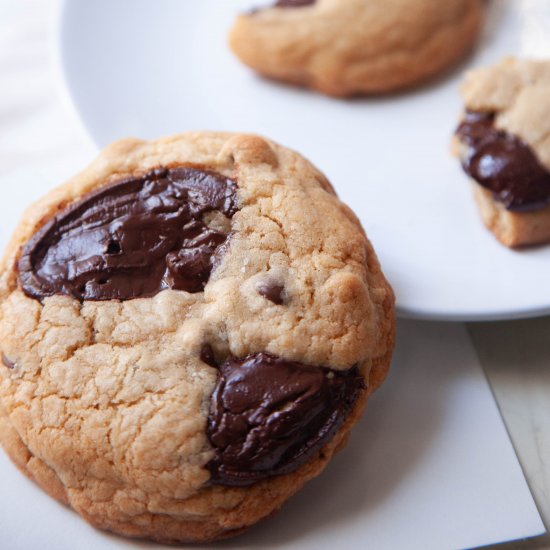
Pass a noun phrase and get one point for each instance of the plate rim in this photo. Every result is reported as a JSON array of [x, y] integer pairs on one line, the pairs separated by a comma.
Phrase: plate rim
[[68, 97]]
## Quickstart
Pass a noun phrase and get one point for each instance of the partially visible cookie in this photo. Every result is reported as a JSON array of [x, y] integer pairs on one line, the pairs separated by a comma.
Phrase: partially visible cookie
[[354, 47], [189, 329], [504, 144]]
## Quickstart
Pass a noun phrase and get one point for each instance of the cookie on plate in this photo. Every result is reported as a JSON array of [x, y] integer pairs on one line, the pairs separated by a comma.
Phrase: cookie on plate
[[504, 145], [354, 47], [188, 331]]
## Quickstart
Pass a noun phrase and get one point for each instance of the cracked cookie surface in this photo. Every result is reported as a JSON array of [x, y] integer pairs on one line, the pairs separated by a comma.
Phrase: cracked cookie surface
[[354, 47], [106, 403]]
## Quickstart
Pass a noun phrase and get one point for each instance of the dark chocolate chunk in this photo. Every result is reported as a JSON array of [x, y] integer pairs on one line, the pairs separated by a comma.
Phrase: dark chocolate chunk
[[7, 362], [131, 239], [503, 163], [207, 356], [269, 416], [271, 291], [294, 3], [285, 4]]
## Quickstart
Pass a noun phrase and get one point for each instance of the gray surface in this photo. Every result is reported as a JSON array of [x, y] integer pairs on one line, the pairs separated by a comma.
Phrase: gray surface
[[516, 359]]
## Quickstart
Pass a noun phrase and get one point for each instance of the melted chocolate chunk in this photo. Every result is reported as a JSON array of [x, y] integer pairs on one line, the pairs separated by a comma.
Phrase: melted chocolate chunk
[[7, 362], [269, 416], [271, 291], [294, 3], [503, 163], [207, 356], [131, 239], [285, 4]]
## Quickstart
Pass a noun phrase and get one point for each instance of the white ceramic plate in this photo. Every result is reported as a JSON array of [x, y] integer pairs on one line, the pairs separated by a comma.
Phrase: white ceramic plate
[[149, 68]]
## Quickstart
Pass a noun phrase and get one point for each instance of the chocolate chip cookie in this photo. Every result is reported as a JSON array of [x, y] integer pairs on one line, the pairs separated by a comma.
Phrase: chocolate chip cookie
[[504, 144], [352, 47], [188, 331]]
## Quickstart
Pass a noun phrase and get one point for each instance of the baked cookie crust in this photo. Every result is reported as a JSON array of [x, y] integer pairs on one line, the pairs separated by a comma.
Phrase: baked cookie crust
[[105, 404], [517, 93], [356, 47], [512, 229]]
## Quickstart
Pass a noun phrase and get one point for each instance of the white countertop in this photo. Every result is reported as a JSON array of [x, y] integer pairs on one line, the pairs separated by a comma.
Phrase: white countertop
[[38, 136]]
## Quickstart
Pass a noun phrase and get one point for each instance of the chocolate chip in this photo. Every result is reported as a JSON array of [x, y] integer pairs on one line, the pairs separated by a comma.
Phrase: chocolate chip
[[269, 416], [7, 362], [284, 4], [113, 248], [503, 163], [271, 291], [131, 239], [207, 356], [294, 3]]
